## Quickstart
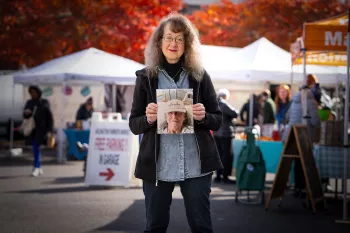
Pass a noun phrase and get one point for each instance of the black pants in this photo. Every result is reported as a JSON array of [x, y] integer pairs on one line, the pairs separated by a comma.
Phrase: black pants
[[195, 192], [224, 146]]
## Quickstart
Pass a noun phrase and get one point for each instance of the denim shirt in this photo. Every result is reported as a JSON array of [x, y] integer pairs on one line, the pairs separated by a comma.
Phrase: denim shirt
[[178, 153]]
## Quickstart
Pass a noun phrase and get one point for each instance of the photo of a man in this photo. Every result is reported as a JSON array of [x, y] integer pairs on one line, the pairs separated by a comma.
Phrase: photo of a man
[[174, 115]]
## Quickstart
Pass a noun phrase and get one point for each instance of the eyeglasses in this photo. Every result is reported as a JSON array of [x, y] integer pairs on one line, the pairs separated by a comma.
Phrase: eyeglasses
[[178, 40]]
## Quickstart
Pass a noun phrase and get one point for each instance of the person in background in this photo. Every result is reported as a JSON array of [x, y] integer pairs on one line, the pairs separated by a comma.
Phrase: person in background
[[313, 125], [323, 100], [223, 137], [282, 101], [173, 61], [85, 110], [245, 110], [269, 113], [40, 110], [312, 83]]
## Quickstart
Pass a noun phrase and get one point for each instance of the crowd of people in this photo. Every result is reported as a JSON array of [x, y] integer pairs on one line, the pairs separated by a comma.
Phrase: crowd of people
[[274, 115]]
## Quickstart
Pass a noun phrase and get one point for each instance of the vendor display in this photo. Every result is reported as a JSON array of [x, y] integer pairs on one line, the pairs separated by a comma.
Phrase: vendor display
[[74, 136], [271, 152], [275, 136]]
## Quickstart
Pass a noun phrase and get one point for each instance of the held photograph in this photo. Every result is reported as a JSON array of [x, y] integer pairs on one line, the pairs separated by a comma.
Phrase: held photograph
[[175, 111]]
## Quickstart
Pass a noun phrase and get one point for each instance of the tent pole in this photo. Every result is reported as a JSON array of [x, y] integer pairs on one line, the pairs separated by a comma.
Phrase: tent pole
[[291, 79], [346, 139], [114, 98], [61, 137], [12, 123], [251, 111], [346, 121], [304, 89], [337, 109]]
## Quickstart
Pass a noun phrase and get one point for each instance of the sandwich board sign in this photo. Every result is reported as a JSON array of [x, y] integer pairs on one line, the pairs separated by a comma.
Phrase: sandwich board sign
[[112, 152], [298, 146]]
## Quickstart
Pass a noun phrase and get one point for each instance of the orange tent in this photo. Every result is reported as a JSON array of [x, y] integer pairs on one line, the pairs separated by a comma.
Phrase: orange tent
[[323, 59], [327, 35], [314, 57]]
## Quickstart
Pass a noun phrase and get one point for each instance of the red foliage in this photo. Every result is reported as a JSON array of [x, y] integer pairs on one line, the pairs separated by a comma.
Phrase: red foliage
[[238, 25], [34, 31]]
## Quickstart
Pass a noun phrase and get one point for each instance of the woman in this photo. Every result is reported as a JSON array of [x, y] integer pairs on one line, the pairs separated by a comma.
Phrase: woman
[[189, 159], [223, 137], [312, 83], [40, 110], [282, 101]]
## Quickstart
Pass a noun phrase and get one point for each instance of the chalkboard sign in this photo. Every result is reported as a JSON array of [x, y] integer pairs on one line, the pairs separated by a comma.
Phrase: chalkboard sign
[[298, 146], [290, 147], [312, 178]]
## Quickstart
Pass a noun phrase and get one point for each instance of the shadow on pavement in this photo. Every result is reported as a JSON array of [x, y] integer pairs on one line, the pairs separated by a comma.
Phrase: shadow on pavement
[[58, 190], [228, 217], [68, 180], [80, 188], [46, 160]]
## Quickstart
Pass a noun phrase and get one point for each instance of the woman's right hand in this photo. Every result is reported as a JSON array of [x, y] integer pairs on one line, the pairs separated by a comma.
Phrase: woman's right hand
[[151, 112]]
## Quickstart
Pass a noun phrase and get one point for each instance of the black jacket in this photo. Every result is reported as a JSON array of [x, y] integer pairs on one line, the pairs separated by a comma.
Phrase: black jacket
[[245, 109], [145, 93], [228, 114], [83, 113], [43, 120]]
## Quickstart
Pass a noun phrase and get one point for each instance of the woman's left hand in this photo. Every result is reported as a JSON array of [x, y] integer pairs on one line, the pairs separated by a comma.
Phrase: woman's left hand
[[198, 111]]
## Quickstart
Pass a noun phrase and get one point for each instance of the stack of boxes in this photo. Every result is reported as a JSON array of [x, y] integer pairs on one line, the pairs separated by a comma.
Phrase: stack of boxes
[[332, 133]]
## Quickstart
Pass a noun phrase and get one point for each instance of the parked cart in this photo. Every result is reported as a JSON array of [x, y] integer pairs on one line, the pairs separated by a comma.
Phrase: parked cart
[[250, 171]]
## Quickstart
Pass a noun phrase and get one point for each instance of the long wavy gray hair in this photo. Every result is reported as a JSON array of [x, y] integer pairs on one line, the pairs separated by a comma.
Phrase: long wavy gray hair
[[153, 52]]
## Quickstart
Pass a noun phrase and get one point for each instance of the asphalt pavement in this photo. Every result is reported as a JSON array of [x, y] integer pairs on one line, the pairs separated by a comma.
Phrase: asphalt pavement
[[59, 201]]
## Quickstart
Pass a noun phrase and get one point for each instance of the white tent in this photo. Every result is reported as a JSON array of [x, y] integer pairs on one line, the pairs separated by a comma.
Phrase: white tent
[[264, 61], [86, 65], [214, 57], [260, 61]]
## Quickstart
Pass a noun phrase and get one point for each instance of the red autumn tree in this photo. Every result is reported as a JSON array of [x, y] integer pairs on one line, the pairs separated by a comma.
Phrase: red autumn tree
[[238, 25], [34, 31]]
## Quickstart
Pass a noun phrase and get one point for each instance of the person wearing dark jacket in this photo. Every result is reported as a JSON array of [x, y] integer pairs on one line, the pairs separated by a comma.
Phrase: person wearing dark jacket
[[245, 109], [313, 84], [85, 110], [167, 159], [269, 113], [40, 109], [223, 137]]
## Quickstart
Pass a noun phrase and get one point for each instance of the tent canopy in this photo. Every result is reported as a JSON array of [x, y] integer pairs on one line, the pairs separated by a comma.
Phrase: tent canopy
[[325, 46], [327, 35], [260, 61], [87, 65], [213, 57], [323, 59], [264, 61]]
